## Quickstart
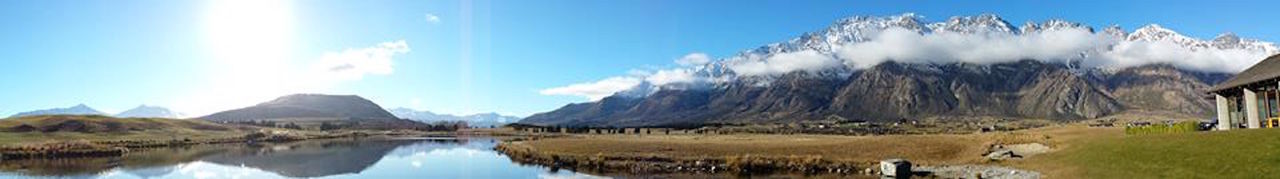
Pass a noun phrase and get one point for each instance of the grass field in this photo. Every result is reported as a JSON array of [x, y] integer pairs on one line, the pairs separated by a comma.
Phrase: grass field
[[1078, 151], [1251, 153], [756, 152], [936, 149], [42, 129]]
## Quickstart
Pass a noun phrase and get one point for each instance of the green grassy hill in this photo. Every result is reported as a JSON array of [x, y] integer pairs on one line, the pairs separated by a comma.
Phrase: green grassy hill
[[50, 128]]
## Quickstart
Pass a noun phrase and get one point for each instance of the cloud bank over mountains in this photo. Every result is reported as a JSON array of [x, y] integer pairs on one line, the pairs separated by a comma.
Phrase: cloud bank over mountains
[[902, 45], [595, 90], [1064, 45], [862, 42]]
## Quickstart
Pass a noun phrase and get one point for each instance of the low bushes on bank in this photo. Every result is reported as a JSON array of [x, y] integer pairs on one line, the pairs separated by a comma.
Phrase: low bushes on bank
[[1179, 127], [649, 164]]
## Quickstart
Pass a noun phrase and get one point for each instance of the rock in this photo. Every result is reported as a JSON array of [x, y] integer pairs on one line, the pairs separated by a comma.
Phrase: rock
[[1001, 154], [1028, 149], [897, 168], [976, 171]]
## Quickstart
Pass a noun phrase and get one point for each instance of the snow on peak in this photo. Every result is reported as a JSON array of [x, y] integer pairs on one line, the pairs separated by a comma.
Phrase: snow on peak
[[983, 23], [1115, 31], [1051, 40], [1154, 32]]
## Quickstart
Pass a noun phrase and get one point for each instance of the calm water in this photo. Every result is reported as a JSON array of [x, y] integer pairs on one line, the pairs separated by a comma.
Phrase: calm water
[[422, 158]]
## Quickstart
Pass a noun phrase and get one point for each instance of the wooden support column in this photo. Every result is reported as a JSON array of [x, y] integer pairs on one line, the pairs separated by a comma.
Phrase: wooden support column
[[1224, 113], [1251, 109], [1266, 108]]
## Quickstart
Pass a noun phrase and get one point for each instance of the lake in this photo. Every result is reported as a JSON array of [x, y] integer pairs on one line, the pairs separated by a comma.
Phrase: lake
[[398, 158]]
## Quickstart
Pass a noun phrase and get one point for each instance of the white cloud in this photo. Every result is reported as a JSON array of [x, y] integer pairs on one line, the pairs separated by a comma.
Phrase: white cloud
[[807, 60], [1092, 50], [1143, 52], [636, 72], [693, 59], [595, 90], [353, 64], [903, 45], [432, 18], [663, 77]]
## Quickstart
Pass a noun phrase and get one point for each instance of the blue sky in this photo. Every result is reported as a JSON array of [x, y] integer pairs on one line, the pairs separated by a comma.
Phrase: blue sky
[[456, 57]]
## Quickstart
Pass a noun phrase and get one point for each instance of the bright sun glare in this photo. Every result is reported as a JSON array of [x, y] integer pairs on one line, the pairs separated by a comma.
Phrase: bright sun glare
[[251, 44]]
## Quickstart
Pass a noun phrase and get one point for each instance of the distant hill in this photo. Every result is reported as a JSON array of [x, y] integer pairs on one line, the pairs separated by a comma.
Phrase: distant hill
[[105, 124], [474, 120], [315, 108], [48, 128], [80, 109], [144, 111]]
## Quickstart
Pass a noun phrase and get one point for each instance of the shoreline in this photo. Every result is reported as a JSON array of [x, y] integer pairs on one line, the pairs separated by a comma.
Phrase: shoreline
[[736, 165], [84, 148]]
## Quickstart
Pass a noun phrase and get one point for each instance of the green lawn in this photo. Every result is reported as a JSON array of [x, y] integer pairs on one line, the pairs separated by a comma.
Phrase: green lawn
[[1251, 153]]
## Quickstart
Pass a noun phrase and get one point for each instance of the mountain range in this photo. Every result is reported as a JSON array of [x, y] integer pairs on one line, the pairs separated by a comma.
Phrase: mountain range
[[144, 111], [1062, 86], [315, 108], [79, 109], [474, 120]]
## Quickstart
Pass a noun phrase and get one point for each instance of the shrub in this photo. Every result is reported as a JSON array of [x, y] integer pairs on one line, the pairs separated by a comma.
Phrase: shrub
[[1180, 127]]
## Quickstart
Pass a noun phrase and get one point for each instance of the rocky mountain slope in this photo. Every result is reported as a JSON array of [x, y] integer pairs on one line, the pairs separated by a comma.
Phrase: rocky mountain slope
[[1066, 87]]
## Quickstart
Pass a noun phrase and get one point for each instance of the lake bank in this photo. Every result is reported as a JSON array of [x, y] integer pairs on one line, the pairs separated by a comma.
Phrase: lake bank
[[1067, 151], [105, 147], [70, 136]]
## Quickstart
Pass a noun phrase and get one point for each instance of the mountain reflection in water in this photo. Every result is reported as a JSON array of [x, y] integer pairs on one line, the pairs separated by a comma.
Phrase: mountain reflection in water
[[401, 158]]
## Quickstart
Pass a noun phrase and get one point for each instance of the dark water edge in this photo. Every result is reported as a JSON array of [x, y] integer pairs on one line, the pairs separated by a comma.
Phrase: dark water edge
[[464, 157]]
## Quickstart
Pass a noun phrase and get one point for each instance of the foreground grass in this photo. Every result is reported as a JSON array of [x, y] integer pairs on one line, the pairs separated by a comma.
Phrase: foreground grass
[[1220, 154], [1078, 151]]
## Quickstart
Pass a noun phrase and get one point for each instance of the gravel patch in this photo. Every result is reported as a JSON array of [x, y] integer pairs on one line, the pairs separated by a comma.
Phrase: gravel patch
[[976, 171]]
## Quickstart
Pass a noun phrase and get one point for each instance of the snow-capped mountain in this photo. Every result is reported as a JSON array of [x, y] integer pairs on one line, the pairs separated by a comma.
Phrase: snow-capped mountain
[[860, 29], [79, 109], [474, 120], [144, 111], [966, 66]]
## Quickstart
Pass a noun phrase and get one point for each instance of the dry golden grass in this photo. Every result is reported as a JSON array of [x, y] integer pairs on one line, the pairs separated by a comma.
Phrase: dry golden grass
[[862, 151], [922, 149]]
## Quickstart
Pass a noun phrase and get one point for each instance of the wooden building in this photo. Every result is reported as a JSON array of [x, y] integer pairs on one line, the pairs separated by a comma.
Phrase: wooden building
[[1251, 99]]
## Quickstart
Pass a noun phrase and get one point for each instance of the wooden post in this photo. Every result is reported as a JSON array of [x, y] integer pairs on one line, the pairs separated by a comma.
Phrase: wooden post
[[1224, 112], [1251, 109], [1266, 96]]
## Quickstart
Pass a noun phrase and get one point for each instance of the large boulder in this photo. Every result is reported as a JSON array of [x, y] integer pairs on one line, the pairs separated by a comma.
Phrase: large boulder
[[895, 168]]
